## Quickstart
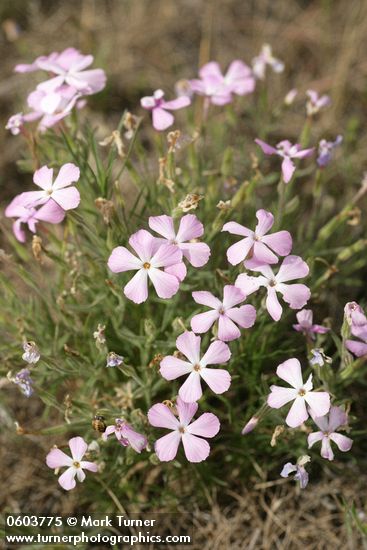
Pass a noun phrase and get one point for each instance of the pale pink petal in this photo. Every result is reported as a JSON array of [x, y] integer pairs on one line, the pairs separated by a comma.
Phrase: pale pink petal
[[160, 416], [171, 367], [293, 267], [321, 421], [67, 480], [244, 316], [318, 329], [50, 212], [239, 78], [43, 177], [191, 390], [18, 231], [189, 344], [343, 442], [185, 411], [122, 260], [58, 459], [163, 225], [197, 254], [108, 431], [136, 440], [326, 450], [190, 228], [178, 103], [272, 304], [161, 119], [51, 84], [166, 255], [280, 396], [67, 198], [314, 438], [217, 353], [80, 475], [265, 270], [248, 284], [30, 199], [232, 296], [237, 229], [218, 380], [290, 371], [263, 254], [227, 330], [78, 448], [137, 288], [203, 321], [178, 270], [167, 446], [297, 413], [280, 242], [196, 449], [211, 69], [304, 153], [69, 173], [296, 295], [165, 285], [359, 349], [267, 149], [318, 401], [143, 243], [239, 251], [305, 317], [288, 169], [206, 299], [207, 425], [265, 222], [337, 418], [91, 466]]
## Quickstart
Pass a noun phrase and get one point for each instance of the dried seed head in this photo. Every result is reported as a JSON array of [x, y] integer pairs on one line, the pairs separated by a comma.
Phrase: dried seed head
[[37, 248], [190, 202]]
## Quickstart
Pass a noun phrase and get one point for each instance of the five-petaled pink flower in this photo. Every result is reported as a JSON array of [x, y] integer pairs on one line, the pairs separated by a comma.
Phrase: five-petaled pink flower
[[257, 244], [190, 228], [316, 103], [328, 426], [60, 191], [126, 435], [196, 368], [50, 212], [159, 107], [305, 324], [224, 312], [196, 448], [287, 152], [75, 465], [300, 393], [151, 257], [219, 88], [296, 295]]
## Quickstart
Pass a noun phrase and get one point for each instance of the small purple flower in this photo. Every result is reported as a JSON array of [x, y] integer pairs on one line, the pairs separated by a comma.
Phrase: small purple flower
[[159, 107], [328, 425], [326, 151], [316, 103], [287, 152], [114, 360], [301, 475], [319, 358], [15, 124], [24, 381], [305, 324], [31, 352], [126, 435]]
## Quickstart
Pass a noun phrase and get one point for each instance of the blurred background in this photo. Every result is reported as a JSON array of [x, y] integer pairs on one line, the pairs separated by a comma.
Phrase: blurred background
[[146, 44]]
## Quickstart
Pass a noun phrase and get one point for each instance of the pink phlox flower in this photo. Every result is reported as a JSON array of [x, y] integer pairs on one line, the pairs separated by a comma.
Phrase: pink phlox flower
[[52, 106], [196, 367], [264, 59], [161, 118], [190, 433], [354, 314], [50, 212], [287, 152], [15, 124], [219, 88], [301, 475], [190, 229], [296, 295], [151, 257], [328, 425], [225, 312], [357, 321], [75, 465], [305, 324], [326, 151], [126, 435], [316, 103], [257, 244], [59, 191], [300, 393]]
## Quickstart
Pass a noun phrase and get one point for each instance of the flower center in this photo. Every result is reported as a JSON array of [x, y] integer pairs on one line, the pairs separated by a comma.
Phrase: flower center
[[49, 192], [146, 265], [302, 392], [272, 282], [76, 464], [197, 368], [181, 429], [221, 310]]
